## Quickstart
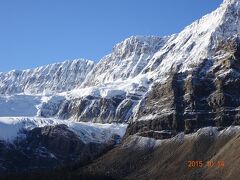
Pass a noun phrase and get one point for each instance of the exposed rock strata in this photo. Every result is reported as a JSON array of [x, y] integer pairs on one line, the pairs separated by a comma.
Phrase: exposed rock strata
[[207, 96]]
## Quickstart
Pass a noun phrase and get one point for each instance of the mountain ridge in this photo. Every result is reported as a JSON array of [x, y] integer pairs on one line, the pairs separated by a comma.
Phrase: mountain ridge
[[175, 95], [117, 87], [46, 79]]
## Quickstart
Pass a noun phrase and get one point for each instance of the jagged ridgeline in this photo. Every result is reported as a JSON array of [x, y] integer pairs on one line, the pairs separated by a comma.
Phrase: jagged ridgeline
[[162, 88], [180, 82]]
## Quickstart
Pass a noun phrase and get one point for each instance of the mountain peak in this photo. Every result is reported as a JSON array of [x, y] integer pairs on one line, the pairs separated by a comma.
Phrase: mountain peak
[[227, 21], [137, 41], [231, 2], [197, 41], [230, 8]]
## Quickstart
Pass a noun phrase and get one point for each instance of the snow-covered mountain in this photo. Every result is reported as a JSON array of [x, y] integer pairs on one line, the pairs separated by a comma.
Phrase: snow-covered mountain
[[122, 87], [157, 57], [134, 56], [47, 79], [116, 88], [127, 60], [197, 41], [160, 86]]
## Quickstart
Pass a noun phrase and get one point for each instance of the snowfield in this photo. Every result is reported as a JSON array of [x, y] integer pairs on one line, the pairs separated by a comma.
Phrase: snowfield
[[19, 105], [21, 112], [12, 127]]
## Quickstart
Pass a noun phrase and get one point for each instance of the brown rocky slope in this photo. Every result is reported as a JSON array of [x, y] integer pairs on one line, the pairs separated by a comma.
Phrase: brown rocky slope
[[146, 158]]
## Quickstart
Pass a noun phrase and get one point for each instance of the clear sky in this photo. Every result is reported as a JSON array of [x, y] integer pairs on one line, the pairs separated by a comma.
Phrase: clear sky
[[39, 32]]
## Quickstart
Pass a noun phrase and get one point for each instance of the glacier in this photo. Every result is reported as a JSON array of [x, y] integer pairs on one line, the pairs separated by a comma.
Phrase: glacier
[[113, 90], [13, 127]]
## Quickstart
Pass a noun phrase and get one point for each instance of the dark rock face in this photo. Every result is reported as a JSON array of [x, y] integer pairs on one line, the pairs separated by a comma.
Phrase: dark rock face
[[47, 148], [157, 134], [207, 96], [95, 109], [58, 139]]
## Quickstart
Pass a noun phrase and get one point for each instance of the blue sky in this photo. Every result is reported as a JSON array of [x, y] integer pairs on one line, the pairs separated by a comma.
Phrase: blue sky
[[34, 33]]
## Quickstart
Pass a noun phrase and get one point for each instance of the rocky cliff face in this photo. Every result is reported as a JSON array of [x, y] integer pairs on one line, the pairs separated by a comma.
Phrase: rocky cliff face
[[117, 109], [204, 89], [206, 96]]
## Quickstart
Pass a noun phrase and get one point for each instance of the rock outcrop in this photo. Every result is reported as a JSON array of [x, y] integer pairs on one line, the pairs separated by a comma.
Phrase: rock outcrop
[[206, 96], [47, 148]]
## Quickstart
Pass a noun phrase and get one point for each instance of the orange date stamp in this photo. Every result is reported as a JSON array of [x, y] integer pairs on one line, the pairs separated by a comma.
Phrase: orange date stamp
[[201, 164]]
